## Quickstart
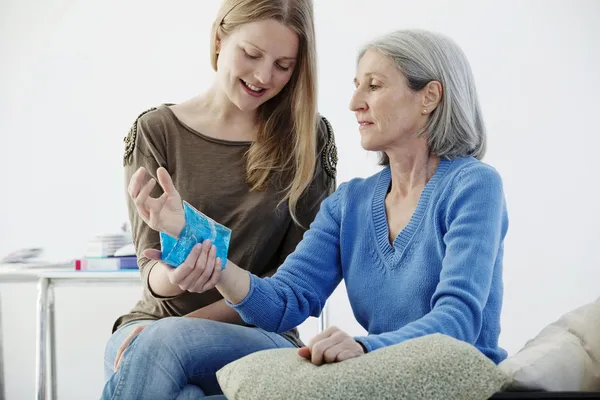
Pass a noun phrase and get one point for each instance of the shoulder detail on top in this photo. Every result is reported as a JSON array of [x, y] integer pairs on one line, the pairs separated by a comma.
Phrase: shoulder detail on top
[[151, 117], [329, 155], [131, 136]]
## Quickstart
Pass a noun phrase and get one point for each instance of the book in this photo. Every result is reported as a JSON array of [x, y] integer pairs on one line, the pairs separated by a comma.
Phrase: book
[[106, 263]]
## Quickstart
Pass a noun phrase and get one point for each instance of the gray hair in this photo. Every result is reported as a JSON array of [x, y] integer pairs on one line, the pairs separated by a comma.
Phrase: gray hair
[[455, 128]]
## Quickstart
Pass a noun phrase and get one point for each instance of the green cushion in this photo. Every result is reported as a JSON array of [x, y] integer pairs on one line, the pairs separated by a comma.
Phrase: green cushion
[[431, 367]]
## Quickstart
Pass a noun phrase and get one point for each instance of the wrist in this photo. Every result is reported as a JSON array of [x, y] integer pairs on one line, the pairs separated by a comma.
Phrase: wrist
[[178, 228], [362, 346]]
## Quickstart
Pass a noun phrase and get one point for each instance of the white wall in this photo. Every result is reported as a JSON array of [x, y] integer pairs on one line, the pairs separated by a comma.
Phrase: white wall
[[74, 75]]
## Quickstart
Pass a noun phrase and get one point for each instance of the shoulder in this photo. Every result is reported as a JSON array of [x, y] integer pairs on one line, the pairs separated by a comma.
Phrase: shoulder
[[147, 130], [326, 147], [358, 190], [466, 172], [469, 180]]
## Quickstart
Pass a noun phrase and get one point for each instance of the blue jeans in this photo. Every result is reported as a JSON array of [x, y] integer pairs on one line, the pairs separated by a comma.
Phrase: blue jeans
[[178, 357]]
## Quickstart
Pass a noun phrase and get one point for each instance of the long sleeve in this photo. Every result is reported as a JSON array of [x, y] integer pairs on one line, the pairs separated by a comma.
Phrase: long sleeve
[[475, 223], [143, 150], [306, 279]]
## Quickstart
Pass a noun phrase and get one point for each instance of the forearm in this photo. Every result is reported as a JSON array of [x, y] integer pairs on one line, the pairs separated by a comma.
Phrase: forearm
[[159, 282], [234, 284], [218, 311]]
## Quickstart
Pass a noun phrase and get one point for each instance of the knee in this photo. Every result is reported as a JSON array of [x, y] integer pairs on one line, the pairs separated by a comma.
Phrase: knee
[[166, 332]]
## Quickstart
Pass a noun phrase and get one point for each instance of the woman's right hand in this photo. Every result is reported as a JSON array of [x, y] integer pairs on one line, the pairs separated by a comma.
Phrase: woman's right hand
[[163, 214], [125, 344]]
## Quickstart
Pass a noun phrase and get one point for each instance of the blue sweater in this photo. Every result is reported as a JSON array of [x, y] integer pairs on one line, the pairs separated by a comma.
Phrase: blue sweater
[[443, 272]]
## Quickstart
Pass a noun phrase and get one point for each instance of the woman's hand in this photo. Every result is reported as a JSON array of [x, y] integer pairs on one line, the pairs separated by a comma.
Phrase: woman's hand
[[332, 345], [125, 344], [200, 271], [163, 214]]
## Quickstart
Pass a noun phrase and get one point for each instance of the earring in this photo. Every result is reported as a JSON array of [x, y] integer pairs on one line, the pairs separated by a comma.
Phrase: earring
[[425, 111]]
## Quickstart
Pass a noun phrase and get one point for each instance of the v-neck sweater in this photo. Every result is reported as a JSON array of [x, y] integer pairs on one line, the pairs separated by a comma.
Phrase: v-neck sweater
[[441, 274]]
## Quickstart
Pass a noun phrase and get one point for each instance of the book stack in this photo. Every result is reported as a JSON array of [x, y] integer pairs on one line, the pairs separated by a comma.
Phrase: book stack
[[108, 252]]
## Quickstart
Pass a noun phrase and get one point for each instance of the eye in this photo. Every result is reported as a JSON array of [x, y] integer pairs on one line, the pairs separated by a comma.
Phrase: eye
[[251, 56], [282, 68], [373, 87]]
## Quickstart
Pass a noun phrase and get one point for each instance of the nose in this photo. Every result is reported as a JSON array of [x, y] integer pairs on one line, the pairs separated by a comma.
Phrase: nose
[[263, 73], [357, 102]]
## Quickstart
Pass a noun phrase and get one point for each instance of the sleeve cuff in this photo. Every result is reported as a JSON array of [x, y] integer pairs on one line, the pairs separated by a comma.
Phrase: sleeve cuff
[[239, 306], [365, 343]]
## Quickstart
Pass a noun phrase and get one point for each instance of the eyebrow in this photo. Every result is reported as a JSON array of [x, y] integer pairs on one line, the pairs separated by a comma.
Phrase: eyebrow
[[369, 75], [258, 48]]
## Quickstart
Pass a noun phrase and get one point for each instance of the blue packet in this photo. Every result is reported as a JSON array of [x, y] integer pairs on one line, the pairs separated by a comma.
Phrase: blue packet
[[198, 228]]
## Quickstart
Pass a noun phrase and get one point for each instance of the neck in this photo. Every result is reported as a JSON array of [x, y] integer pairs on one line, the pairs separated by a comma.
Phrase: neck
[[220, 108], [411, 169]]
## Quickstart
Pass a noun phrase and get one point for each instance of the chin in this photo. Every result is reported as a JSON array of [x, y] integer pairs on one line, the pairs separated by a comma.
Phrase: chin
[[245, 105], [367, 144]]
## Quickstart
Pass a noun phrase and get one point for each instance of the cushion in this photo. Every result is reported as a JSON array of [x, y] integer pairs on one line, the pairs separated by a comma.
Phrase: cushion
[[430, 367], [564, 356]]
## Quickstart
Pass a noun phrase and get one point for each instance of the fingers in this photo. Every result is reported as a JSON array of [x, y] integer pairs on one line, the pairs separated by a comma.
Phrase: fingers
[[331, 354], [318, 350], [304, 352], [165, 181], [142, 200], [348, 354], [323, 335], [198, 268], [208, 269], [136, 182], [332, 345], [179, 274], [214, 279], [125, 344], [199, 272]]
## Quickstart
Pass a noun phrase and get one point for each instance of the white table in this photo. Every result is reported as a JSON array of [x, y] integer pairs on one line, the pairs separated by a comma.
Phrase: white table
[[47, 279], [45, 364]]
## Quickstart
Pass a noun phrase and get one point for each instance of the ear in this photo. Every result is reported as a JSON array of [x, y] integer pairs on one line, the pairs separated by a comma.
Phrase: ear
[[432, 95], [218, 45]]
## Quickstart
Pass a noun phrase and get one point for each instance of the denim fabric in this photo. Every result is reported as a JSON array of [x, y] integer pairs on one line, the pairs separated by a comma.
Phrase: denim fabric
[[176, 355], [115, 341], [198, 228]]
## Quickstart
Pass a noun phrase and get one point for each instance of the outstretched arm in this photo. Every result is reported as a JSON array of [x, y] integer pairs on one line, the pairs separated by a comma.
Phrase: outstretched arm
[[302, 284]]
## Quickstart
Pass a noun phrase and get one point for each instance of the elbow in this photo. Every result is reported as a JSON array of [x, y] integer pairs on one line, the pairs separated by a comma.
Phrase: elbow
[[469, 322], [464, 319]]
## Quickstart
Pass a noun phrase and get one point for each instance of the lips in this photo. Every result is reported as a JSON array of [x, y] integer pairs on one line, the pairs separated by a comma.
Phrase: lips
[[251, 89]]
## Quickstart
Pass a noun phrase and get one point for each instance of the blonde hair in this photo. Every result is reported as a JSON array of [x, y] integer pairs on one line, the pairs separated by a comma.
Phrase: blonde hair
[[287, 132]]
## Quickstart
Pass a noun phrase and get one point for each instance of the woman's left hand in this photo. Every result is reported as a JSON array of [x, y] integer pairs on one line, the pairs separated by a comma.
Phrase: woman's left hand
[[332, 345]]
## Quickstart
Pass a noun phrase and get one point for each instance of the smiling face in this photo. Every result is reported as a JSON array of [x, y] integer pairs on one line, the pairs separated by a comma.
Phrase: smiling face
[[389, 113], [256, 61]]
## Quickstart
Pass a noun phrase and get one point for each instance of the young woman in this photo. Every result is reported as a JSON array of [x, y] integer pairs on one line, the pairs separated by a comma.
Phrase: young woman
[[254, 155]]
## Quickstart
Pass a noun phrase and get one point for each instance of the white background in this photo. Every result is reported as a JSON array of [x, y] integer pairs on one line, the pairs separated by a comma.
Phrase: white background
[[74, 75]]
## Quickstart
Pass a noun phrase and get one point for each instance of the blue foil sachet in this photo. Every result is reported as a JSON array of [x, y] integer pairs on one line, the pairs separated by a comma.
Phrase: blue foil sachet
[[198, 228]]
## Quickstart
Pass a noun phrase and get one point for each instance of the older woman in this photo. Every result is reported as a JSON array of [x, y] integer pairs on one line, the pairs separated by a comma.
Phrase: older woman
[[419, 244]]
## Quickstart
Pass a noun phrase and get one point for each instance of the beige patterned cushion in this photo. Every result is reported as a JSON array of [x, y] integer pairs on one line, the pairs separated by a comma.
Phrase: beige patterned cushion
[[431, 367]]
